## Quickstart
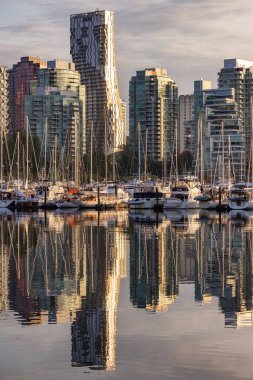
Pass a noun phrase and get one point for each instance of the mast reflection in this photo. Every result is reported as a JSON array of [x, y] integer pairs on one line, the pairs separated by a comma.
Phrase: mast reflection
[[67, 268], [94, 330]]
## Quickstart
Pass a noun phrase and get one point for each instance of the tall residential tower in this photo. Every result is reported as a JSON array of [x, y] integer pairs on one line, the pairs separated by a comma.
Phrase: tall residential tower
[[56, 112], [153, 102], [92, 50], [20, 78]]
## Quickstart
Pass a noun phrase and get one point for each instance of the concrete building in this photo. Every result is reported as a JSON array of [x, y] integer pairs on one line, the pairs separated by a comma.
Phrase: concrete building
[[186, 118], [56, 112], [92, 50], [238, 74], [20, 78], [224, 137], [153, 102], [4, 104]]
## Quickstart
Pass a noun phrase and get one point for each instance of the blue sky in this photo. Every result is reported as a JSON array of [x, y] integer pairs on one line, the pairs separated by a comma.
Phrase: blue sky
[[189, 38]]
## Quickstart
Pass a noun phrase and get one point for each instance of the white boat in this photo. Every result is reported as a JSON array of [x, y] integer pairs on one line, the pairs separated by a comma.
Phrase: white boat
[[113, 196], [146, 198], [68, 202], [182, 196], [6, 199], [53, 194], [240, 197], [144, 203]]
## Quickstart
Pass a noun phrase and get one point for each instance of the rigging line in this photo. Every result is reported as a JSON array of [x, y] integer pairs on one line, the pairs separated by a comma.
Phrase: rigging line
[[31, 138], [11, 165]]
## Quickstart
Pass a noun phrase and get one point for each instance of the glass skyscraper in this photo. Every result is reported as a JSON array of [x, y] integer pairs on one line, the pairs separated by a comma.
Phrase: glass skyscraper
[[56, 112], [92, 50], [154, 103]]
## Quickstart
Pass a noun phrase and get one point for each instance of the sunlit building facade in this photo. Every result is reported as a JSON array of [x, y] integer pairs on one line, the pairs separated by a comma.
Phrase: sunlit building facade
[[56, 111], [92, 50], [186, 122], [20, 78], [223, 137], [154, 104], [238, 74]]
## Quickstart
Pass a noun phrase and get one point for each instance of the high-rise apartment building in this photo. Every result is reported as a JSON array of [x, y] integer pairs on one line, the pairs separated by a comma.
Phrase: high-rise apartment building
[[238, 74], [56, 112], [20, 78], [4, 104], [92, 50], [223, 137], [199, 95], [186, 122], [153, 102]]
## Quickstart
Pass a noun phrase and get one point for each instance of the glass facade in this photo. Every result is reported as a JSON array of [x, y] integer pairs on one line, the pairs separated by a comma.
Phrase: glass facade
[[153, 102], [56, 111]]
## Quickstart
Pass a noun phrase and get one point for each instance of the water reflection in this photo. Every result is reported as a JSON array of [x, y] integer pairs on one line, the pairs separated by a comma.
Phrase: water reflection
[[67, 268]]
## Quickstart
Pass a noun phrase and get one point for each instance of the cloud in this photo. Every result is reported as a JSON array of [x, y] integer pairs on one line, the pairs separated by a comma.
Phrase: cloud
[[189, 38]]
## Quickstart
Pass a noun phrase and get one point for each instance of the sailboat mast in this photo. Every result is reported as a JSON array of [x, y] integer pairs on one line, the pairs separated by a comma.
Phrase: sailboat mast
[[139, 151], [176, 149], [229, 161], [91, 152], [27, 151], [114, 161], [146, 155], [55, 156], [76, 155], [201, 152], [105, 152], [18, 154], [223, 153], [45, 149]]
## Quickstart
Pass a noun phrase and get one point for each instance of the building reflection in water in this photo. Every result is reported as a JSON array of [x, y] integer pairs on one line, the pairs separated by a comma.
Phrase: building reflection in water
[[210, 250], [94, 330], [229, 267], [67, 268]]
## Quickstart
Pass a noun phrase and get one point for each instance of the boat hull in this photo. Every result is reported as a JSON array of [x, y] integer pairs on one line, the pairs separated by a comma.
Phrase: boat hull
[[144, 204], [67, 204], [243, 205], [177, 204]]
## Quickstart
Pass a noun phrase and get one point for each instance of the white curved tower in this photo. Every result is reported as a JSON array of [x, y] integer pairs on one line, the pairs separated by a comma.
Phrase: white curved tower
[[92, 50]]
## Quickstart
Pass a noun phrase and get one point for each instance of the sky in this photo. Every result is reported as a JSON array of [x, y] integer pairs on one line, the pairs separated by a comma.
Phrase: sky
[[190, 38]]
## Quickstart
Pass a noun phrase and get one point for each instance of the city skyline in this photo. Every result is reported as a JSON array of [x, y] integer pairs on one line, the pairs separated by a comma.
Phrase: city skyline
[[179, 31]]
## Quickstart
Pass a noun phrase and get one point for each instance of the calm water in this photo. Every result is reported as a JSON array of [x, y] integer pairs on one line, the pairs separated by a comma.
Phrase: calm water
[[126, 296]]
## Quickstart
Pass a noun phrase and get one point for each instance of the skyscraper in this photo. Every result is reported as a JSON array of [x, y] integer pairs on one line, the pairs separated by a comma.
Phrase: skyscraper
[[238, 74], [56, 111], [4, 106], [224, 137], [92, 50], [186, 122], [20, 78], [153, 102]]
